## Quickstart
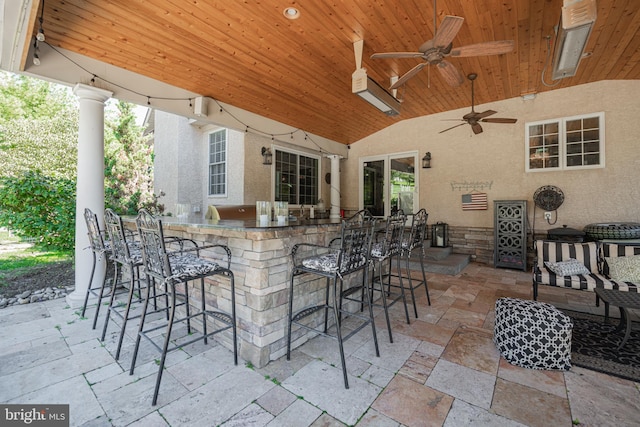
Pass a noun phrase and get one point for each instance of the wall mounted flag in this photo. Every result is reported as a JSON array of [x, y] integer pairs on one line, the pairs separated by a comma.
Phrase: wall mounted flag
[[474, 202]]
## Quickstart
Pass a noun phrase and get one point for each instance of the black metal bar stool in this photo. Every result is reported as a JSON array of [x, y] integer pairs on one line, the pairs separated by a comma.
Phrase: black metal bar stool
[[415, 243], [170, 269], [384, 252], [99, 248], [335, 265], [125, 255]]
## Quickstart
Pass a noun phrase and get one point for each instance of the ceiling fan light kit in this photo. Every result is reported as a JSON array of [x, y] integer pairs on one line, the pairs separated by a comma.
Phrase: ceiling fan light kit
[[576, 22], [474, 118]]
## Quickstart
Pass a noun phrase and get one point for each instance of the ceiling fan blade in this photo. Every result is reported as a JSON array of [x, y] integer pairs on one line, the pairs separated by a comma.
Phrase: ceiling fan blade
[[476, 128], [453, 127], [396, 55], [481, 49], [450, 73], [447, 31], [412, 72], [499, 120], [484, 114]]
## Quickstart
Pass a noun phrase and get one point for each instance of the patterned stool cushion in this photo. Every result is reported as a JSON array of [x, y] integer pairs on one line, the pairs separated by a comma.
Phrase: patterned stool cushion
[[326, 262], [378, 250], [533, 334], [188, 266]]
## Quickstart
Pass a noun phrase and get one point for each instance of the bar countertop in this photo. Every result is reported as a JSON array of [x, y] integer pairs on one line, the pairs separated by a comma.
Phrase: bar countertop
[[232, 224]]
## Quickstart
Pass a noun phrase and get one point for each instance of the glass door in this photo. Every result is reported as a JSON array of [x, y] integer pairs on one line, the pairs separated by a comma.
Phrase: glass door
[[373, 187], [388, 183]]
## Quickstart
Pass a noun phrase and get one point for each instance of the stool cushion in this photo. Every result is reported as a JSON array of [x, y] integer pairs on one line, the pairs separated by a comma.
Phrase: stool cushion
[[325, 262], [378, 250], [533, 334], [185, 267]]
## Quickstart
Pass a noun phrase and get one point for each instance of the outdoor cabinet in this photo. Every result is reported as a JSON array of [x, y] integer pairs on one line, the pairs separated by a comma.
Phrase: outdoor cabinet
[[510, 234]]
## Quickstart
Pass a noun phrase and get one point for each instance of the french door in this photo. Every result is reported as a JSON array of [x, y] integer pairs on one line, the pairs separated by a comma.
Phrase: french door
[[389, 183]]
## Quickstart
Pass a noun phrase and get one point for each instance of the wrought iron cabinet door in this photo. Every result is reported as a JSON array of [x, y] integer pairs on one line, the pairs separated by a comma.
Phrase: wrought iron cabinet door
[[510, 231]]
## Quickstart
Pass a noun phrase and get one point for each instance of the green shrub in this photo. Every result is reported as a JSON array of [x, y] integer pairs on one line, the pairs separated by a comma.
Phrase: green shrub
[[37, 206]]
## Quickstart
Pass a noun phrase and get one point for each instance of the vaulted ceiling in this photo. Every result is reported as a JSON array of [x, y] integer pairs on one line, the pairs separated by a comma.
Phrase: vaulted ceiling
[[298, 72]]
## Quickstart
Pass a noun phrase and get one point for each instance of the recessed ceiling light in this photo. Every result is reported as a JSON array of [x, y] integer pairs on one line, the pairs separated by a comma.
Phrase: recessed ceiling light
[[291, 13]]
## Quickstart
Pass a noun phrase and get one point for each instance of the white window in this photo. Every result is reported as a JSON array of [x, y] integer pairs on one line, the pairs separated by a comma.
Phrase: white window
[[218, 163], [565, 144], [296, 178]]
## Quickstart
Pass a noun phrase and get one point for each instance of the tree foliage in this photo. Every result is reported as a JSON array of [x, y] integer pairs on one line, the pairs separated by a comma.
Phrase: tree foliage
[[35, 205], [38, 128], [38, 160], [128, 163]]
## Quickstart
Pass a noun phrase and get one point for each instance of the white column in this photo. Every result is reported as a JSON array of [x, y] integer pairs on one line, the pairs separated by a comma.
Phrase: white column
[[335, 185], [90, 183]]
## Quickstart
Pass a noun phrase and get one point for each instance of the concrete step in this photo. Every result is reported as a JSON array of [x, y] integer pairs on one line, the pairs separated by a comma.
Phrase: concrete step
[[436, 254], [451, 265]]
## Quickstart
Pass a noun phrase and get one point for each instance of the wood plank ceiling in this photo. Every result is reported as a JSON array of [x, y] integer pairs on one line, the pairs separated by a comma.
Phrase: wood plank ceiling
[[246, 53]]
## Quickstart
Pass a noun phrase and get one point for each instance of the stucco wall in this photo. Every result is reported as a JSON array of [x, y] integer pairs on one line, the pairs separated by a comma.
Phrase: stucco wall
[[497, 157], [179, 144], [182, 156]]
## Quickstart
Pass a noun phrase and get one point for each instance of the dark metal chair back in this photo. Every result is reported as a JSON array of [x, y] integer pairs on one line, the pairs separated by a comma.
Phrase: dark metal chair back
[[394, 234], [355, 247], [96, 238], [418, 232], [154, 253], [120, 251]]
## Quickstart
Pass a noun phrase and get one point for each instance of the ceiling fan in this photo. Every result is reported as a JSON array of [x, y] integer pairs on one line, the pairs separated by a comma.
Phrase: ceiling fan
[[435, 50], [474, 118]]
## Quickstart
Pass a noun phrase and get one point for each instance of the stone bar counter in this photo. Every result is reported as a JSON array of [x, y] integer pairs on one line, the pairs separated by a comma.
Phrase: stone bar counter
[[261, 263]]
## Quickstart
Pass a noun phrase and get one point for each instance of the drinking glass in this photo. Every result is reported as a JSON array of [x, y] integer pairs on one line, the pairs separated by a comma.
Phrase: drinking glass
[[281, 211], [263, 212]]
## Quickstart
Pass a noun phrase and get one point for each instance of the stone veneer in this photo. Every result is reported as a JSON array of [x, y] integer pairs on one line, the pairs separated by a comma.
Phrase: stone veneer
[[261, 265], [478, 242]]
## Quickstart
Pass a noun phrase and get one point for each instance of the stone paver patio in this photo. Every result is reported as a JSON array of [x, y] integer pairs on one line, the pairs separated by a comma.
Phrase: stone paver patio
[[442, 369]]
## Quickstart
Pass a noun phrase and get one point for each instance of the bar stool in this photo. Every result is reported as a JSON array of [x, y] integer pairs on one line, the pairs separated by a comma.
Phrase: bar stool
[[167, 270], [99, 248], [125, 255], [386, 251], [335, 265], [415, 243]]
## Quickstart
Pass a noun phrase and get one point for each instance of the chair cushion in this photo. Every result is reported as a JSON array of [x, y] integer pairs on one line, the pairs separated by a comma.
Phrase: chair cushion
[[378, 250], [135, 253], [570, 267], [625, 268], [585, 253], [325, 262], [186, 267]]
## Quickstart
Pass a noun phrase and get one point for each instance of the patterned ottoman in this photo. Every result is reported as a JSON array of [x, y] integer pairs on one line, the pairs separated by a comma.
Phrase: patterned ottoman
[[533, 334]]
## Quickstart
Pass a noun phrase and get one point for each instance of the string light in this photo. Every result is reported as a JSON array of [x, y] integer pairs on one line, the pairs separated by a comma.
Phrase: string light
[[149, 98], [36, 56]]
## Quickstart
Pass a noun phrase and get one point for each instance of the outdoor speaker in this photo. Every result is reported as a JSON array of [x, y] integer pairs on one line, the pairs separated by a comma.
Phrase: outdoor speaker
[[200, 106]]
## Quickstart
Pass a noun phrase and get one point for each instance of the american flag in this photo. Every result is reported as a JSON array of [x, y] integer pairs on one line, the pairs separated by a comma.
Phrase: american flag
[[474, 202]]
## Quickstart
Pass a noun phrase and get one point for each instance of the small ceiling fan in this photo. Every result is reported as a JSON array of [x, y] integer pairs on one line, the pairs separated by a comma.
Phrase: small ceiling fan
[[435, 50], [474, 118]]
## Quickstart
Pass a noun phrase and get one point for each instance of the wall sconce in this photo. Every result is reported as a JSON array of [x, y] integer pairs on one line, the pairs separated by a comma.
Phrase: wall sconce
[[267, 157], [426, 161]]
